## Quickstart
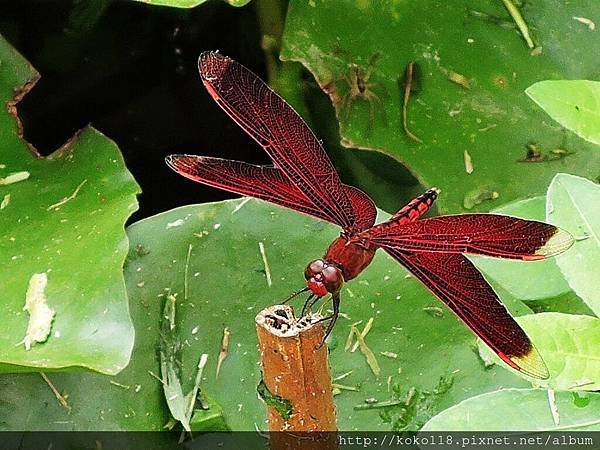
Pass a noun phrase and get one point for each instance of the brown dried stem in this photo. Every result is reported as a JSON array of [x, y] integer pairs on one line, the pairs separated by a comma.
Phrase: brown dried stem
[[296, 375]]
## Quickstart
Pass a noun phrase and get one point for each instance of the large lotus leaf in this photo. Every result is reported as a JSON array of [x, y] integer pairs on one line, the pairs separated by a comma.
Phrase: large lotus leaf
[[226, 286], [427, 348], [574, 204], [520, 410], [64, 220], [131, 400], [474, 67], [567, 303], [575, 104], [525, 280], [209, 257], [570, 346]]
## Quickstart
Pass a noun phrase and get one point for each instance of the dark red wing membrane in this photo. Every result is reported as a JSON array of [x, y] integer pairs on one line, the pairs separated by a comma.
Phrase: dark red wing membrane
[[365, 211], [454, 279], [480, 234], [283, 134], [265, 183]]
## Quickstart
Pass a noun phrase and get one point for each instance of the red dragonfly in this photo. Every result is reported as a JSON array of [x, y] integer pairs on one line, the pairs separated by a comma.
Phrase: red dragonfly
[[304, 179]]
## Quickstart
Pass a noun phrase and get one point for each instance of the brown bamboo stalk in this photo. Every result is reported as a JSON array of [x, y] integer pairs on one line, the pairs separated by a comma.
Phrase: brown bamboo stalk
[[296, 373]]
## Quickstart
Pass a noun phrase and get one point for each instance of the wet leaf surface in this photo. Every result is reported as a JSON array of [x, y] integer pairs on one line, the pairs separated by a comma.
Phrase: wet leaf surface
[[493, 120], [575, 104], [574, 204], [532, 280], [62, 217], [226, 287], [532, 414], [570, 346]]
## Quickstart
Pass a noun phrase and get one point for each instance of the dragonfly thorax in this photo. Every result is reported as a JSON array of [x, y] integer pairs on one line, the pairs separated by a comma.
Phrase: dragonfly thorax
[[323, 277]]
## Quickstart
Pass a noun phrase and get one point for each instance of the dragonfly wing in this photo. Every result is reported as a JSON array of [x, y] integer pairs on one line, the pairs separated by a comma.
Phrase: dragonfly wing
[[365, 210], [454, 279], [263, 182], [284, 135], [480, 234]]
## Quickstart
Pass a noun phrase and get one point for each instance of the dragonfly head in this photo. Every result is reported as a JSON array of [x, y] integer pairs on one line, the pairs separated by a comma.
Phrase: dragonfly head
[[323, 277]]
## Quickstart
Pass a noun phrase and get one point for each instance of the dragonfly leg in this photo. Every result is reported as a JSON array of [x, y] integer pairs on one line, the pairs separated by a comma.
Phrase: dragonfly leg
[[336, 312], [332, 318], [294, 295], [310, 301]]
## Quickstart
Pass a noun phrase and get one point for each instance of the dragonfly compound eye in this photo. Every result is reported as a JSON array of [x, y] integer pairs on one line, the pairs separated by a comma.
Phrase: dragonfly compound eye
[[314, 268], [317, 266], [332, 278], [330, 274]]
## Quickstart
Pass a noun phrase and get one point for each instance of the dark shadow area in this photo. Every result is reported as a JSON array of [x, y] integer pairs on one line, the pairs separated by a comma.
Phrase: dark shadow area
[[131, 72]]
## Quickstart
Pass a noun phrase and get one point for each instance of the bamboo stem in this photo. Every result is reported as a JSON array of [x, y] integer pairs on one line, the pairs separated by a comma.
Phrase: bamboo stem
[[296, 374]]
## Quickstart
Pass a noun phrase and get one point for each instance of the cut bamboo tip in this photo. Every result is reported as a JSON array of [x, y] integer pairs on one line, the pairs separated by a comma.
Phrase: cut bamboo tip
[[295, 371]]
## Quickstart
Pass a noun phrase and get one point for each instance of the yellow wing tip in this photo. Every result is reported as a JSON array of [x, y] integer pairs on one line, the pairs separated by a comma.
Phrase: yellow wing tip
[[560, 241], [531, 364]]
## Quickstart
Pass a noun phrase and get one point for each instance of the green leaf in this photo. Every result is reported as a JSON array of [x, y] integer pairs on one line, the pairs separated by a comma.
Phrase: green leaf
[[283, 406], [170, 365], [570, 346], [493, 120], [85, 15], [209, 419], [132, 400], [567, 303], [519, 410], [180, 405], [575, 104], [573, 203], [226, 287], [189, 3], [62, 218], [532, 280]]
